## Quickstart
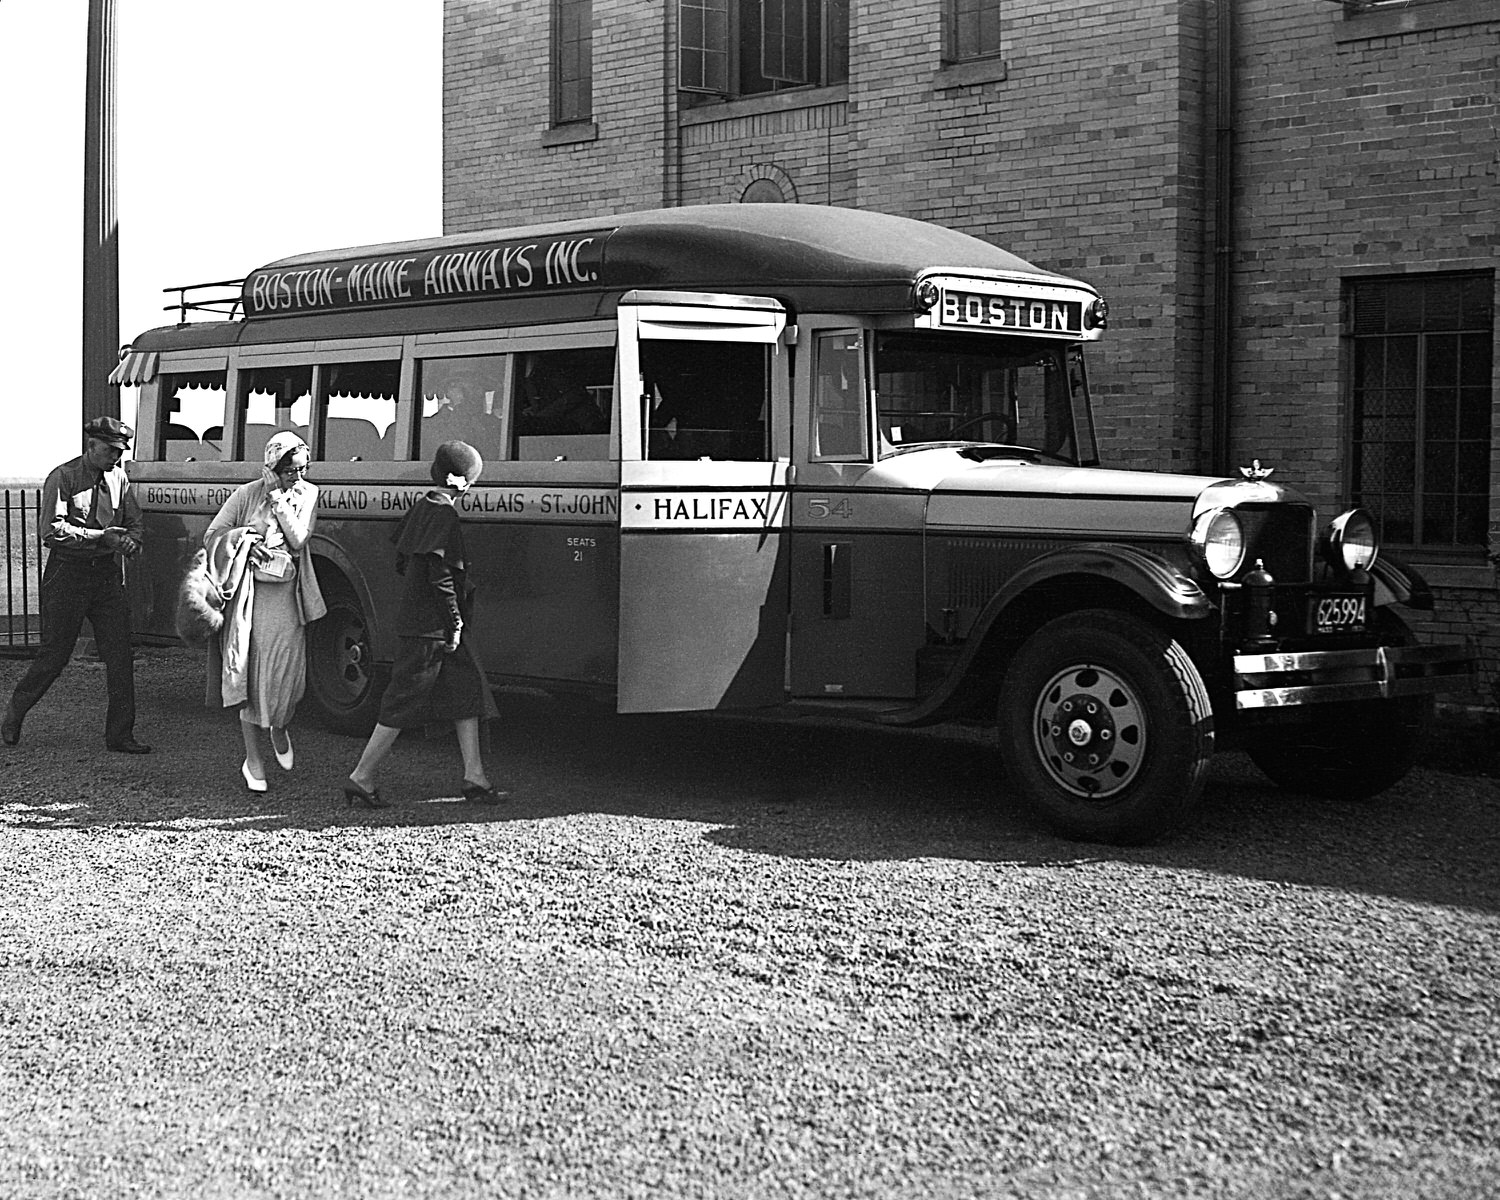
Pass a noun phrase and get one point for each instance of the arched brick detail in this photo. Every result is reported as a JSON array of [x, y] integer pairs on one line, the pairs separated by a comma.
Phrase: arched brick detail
[[756, 184]]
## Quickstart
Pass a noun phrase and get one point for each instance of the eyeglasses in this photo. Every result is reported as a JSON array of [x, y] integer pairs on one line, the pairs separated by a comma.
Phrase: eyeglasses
[[292, 471]]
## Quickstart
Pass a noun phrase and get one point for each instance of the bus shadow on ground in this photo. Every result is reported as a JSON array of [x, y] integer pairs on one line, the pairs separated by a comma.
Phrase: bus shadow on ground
[[800, 788]]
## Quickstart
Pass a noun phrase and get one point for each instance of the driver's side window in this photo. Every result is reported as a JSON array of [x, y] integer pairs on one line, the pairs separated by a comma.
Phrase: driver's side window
[[840, 431]]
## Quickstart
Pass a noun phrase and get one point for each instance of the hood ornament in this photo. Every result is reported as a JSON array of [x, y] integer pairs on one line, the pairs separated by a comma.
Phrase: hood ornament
[[1255, 472]]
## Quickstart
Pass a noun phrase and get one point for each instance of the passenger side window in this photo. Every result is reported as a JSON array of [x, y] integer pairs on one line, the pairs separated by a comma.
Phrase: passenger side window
[[463, 400], [706, 399], [276, 398], [193, 430], [360, 408], [564, 401]]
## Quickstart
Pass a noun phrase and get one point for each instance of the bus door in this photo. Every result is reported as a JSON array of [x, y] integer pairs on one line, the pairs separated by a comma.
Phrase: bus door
[[857, 602], [703, 492]]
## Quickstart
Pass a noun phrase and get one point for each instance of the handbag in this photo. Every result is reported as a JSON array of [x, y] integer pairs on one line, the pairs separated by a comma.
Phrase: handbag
[[278, 567]]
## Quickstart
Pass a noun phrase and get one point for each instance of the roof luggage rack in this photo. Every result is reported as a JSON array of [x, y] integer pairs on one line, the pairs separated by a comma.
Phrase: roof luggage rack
[[221, 304]]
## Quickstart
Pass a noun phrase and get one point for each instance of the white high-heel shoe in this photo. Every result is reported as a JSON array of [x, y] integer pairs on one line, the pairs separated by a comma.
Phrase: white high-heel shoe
[[286, 759], [254, 784]]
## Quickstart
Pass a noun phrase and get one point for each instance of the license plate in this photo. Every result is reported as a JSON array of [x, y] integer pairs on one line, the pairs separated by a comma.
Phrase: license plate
[[1338, 614]]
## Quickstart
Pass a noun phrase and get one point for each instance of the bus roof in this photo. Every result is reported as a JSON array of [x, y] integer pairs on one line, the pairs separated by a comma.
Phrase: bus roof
[[813, 258]]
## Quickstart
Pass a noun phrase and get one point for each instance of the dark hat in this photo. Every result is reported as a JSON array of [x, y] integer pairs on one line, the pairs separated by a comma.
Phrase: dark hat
[[111, 430], [456, 458]]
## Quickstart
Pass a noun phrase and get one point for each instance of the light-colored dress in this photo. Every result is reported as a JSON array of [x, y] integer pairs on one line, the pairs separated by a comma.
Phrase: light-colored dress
[[261, 662]]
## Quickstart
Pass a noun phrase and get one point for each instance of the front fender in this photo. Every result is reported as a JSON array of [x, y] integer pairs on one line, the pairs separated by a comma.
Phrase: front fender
[[1152, 578], [332, 553], [1148, 576], [1397, 582]]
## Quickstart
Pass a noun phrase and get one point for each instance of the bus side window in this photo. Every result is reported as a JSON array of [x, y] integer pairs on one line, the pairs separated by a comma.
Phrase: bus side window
[[839, 427], [193, 430], [461, 401], [708, 399], [564, 404], [360, 410], [276, 398]]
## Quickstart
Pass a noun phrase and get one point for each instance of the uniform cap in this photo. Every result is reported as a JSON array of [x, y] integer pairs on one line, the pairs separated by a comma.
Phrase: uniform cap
[[110, 430]]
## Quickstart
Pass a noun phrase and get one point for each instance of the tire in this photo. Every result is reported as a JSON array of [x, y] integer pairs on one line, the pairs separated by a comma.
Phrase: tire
[[1126, 702], [1348, 751], [343, 685]]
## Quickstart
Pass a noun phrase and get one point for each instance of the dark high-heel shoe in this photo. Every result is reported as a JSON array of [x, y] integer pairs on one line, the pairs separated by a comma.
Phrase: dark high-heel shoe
[[358, 795], [476, 793]]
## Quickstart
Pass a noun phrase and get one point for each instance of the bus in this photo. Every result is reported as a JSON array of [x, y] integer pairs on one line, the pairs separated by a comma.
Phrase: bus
[[766, 456]]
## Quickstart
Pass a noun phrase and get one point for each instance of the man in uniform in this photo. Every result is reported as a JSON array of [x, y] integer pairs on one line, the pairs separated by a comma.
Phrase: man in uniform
[[92, 522]]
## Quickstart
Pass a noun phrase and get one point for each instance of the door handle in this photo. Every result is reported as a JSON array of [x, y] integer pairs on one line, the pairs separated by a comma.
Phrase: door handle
[[837, 561]]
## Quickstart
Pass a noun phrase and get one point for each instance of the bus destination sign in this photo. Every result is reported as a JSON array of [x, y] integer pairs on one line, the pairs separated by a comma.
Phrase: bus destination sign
[[474, 273], [1012, 313]]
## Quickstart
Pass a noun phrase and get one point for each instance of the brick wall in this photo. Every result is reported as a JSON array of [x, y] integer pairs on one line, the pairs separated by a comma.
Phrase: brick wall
[[502, 162], [1356, 157]]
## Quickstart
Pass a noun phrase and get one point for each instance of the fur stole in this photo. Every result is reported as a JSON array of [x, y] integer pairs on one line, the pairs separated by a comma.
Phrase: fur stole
[[200, 604]]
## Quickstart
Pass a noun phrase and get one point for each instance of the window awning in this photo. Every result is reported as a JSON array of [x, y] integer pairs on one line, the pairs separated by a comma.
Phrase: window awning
[[138, 366]]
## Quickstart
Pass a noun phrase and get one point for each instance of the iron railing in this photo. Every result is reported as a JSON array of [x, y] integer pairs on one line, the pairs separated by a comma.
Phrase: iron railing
[[21, 568]]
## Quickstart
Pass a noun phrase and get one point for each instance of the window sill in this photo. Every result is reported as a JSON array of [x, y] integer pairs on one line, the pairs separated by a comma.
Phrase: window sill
[[1360, 26], [754, 106], [571, 134], [967, 74]]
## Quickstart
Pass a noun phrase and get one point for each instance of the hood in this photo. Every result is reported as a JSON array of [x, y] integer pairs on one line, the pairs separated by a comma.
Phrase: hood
[[1012, 494]]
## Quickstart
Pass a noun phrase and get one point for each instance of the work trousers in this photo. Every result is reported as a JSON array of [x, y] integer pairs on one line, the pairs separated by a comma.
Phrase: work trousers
[[72, 591]]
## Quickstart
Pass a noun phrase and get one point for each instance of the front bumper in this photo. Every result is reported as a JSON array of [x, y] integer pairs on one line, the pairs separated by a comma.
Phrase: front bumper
[[1264, 681]]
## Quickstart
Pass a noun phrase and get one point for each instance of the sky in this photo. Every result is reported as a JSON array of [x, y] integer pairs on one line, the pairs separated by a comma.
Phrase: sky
[[247, 131]]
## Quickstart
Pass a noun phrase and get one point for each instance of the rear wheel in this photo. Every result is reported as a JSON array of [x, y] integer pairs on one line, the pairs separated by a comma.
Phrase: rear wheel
[[341, 679], [1107, 726], [1348, 751]]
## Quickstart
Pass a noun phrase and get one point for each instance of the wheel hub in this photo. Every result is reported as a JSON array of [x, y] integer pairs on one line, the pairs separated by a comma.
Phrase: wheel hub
[[1090, 729]]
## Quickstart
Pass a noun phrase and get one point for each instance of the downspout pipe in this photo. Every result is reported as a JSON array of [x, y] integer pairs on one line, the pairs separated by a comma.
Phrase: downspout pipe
[[671, 189], [1223, 236]]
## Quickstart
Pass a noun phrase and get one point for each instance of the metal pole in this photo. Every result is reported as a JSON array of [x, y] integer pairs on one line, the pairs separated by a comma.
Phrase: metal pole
[[1221, 387], [101, 252]]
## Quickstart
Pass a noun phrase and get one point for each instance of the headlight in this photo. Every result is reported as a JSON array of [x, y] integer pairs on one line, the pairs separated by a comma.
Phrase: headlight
[[1219, 541], [1352, 541]]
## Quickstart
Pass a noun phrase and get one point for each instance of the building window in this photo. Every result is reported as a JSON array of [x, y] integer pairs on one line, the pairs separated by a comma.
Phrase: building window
[[572, 61], [747, 47], [1420, 403], [973, 29]]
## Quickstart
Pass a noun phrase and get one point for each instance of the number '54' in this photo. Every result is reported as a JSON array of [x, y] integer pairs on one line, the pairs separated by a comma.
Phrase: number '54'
[[822, 506]]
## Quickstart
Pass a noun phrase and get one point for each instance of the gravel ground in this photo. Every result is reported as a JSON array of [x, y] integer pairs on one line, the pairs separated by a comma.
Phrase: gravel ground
[[721, 958]]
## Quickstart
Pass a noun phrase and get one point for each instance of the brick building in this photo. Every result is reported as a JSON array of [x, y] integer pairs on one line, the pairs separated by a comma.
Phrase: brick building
[[1290, 204]]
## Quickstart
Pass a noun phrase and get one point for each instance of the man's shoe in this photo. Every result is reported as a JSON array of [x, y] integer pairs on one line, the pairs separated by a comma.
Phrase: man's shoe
[[10, 728], [130, 746]]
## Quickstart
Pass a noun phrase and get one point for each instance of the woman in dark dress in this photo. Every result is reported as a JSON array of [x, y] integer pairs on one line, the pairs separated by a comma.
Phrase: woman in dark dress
[[436, 675]]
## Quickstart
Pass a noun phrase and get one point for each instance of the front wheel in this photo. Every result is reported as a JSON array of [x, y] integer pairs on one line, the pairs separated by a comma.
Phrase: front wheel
[[1108, 727], [341, 679]]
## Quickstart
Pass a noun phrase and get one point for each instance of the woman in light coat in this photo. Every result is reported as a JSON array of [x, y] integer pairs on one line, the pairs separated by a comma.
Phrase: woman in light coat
[[258, 662]]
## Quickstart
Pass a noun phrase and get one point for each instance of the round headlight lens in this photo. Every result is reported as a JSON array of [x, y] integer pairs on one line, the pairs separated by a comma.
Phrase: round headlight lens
[[1219, 540], [1352, 541]]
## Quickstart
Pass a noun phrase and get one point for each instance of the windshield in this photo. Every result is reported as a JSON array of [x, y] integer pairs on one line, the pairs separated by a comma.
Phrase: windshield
[[956, 388]]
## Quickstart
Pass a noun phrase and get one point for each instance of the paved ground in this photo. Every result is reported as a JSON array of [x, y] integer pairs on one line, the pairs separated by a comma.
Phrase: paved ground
[[704, 957]]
